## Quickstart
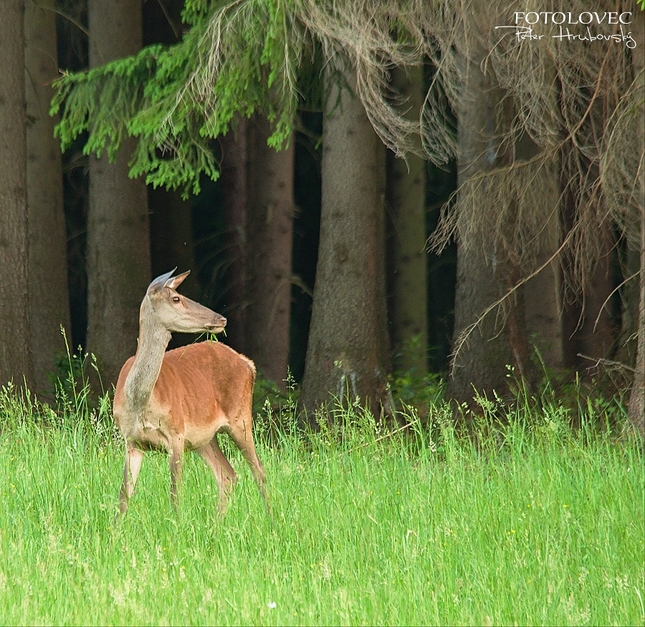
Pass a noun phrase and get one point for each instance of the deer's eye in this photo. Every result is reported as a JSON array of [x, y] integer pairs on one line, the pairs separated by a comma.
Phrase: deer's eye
[[175, 299]]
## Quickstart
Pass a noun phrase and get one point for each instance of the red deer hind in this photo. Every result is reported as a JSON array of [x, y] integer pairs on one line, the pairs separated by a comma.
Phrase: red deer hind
[[181, 399]]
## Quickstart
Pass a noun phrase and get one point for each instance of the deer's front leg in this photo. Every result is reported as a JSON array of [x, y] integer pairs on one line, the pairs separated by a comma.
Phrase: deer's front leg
[[176, 459], [133, 459]]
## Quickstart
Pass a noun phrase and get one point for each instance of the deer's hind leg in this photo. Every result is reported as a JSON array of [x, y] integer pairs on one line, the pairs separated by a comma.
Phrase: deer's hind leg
[[241, 431], [133, 459], [223, 471]]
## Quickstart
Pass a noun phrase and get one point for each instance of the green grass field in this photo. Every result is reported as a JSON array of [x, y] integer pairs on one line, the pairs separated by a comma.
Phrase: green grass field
[[535, 524]]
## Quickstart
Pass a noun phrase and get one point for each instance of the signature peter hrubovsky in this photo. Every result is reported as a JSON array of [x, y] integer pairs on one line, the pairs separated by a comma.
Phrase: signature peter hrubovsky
[[524, 22]]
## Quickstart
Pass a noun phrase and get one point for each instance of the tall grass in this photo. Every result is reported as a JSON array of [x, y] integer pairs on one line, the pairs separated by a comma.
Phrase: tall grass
[[528, 523]]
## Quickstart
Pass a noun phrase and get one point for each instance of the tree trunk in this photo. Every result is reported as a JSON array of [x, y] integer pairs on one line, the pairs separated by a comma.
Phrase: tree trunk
[[406, 196], [234, 180], [543, 303], [347, 334], [15, 352], [543, 292], [270, 235], [597, 334], [171, 235], [628, 338], [481, 362], [484, 274], [637, 397], [380, 246], [588, 322], [118, 240], [48, 290], [498, 175]]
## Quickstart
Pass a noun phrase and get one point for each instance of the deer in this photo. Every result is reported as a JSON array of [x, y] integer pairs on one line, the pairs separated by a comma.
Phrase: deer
[[181, 399]]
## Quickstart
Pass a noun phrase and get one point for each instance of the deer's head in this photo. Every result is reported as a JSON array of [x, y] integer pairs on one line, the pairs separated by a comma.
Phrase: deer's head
[[177, 313]]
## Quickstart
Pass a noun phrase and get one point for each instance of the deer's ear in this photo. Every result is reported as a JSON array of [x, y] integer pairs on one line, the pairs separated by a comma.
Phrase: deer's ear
[[175, 281], [160, 282]]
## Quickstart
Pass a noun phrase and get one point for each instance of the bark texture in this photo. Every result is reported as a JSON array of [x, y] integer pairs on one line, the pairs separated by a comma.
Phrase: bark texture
[[15, 345], [48, 286], [118, 239], [480, 364], [637, 397], [406, 200], [270, 240], [234, 181], [543, 306], [588, 321], [497, 180], [347, 334], [172, 242]]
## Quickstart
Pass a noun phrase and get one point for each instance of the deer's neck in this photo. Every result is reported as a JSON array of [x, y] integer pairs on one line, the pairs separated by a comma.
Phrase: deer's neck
[[153, 340]]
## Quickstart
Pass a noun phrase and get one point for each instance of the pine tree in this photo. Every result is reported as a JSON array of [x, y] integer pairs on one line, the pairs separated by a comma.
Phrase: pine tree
[[15, 347], [48, 291], [243, 57], [118, 231]]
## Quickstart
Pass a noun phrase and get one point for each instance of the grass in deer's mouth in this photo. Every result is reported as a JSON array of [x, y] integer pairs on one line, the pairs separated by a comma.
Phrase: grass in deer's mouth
[[531, 529]]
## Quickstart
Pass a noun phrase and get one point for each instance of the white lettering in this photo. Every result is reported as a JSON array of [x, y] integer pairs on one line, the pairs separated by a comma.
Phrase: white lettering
[[535, 21], [625, 38], [559, 17]]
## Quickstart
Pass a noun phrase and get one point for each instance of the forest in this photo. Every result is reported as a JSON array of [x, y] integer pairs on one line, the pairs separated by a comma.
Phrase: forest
[[424, 222], [367, 191]]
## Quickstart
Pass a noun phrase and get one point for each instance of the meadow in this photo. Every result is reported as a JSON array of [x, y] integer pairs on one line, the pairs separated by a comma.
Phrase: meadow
[[527, 522]]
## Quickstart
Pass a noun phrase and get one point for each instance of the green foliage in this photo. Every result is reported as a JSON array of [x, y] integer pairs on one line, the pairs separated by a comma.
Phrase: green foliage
[[174, 105], [529, 522], [195, 11], [420, 389], [515, 518], [69, 382], [276, 412]]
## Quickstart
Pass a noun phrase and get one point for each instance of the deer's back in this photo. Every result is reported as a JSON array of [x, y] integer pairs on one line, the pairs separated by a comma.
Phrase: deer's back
[[205, 375]]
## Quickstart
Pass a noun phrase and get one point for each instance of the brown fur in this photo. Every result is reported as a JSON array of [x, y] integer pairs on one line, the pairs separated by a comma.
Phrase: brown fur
[[181, 399], [187, 398]]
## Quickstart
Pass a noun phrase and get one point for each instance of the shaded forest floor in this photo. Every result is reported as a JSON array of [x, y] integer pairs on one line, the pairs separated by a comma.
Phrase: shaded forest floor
[[522, 520]]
